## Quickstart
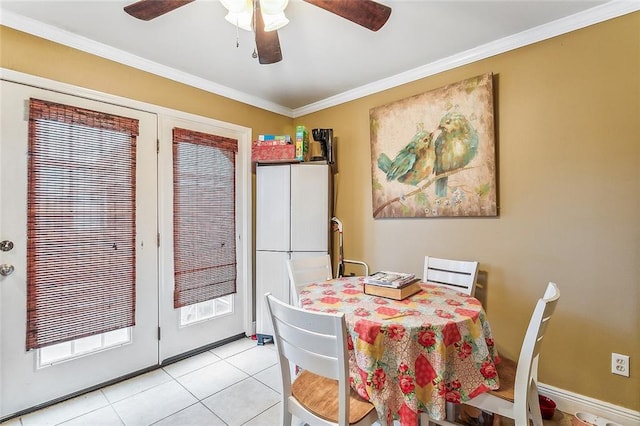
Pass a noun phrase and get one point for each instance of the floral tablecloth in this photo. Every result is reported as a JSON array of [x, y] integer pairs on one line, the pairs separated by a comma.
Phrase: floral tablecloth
[[413, 355]]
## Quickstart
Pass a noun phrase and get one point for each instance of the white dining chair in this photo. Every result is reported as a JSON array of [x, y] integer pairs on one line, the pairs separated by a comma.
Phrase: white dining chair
[[316, 342], [459, 275], [304, 270], [517, 397]]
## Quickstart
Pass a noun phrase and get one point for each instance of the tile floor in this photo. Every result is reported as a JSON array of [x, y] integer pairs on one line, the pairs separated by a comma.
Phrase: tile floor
[[207, 389]]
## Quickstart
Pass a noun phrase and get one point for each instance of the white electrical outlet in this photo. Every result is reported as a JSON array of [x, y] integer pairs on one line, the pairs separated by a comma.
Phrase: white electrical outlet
[[620, 364]]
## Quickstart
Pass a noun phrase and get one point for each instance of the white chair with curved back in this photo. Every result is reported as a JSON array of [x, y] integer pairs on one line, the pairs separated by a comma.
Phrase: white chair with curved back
[[459, 275], [304, 270], [317, 343], [517, 397]]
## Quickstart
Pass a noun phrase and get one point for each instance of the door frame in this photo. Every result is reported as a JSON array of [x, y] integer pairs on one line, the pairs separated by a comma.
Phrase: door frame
[[25, 382], [176, 339], [241, 133]]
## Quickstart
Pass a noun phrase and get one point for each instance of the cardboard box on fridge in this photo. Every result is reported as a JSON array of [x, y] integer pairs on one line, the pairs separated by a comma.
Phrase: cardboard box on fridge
[[302, 144], [270, 153]]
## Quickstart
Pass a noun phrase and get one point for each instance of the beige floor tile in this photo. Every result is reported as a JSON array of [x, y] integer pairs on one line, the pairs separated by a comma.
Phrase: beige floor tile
[[242, 401], [194, 415], [268, 417], [104, 416], [211, 379], [66, 410], [233, 348], [253, 360], [193, 363], [130, 387], [154, 404], [270, 377]]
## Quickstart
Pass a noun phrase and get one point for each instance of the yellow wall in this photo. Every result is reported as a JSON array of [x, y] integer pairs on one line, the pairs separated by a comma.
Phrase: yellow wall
[[568, 126], [33, 55], [568, 137]]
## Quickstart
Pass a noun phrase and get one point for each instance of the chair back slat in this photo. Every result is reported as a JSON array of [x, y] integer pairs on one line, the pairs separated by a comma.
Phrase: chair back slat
[[305, 270], [318, 340], [319, 364], [527, 372], [459, 275]]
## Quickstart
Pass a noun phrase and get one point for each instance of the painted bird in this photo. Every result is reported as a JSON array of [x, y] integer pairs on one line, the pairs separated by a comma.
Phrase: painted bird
[[455, 147], [414, 162]]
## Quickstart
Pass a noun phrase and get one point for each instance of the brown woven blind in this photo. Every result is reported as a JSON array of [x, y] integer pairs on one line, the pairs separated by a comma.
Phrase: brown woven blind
[[203, 216], [80, 223]]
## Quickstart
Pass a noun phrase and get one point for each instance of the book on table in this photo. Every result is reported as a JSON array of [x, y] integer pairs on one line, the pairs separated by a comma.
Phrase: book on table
[[393, 293], [390, 279]]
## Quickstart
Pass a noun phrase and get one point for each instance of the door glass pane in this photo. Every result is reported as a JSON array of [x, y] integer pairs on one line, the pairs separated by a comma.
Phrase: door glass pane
[[206, 310], [64, 351], [87, 344]]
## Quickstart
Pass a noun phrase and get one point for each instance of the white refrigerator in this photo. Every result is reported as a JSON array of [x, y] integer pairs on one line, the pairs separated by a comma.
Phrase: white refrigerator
[[293, 205]]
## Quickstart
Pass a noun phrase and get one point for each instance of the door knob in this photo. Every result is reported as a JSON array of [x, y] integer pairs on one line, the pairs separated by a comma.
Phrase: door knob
[[6, 245], [6, 270]]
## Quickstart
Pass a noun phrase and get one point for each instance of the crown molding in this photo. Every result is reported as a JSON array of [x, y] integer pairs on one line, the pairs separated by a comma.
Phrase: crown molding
[[574, 22], [604, 12], [84, 44]]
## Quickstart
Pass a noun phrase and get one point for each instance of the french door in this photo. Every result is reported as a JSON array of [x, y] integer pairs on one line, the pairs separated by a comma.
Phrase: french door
[[179, 333], [25, 383], [160, 331]]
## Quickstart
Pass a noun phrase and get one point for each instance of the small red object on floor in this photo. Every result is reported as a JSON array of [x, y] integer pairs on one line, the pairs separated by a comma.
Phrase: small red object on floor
[[547, 407]]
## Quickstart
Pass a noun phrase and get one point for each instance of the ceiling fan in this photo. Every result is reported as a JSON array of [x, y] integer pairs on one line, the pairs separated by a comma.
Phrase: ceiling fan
[[367, 13]]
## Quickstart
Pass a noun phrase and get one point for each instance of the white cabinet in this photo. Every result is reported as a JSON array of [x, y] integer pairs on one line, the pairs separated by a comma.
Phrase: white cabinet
[[310, 214], [292, 220]]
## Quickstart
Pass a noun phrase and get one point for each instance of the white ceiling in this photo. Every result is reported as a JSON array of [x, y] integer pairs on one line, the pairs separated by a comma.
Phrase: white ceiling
[[327, 59]]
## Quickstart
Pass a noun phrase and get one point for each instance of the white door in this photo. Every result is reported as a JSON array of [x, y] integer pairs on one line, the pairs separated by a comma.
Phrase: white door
[[23, 382], [196, 326]]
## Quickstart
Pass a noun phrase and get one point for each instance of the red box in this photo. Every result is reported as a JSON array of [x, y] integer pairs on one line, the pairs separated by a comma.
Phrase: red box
[[272, 153]]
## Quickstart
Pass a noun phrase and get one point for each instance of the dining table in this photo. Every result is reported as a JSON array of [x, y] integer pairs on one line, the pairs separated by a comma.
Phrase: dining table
[[412, 355]]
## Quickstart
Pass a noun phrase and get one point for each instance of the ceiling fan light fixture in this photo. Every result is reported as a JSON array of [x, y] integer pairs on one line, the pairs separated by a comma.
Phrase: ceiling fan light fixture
[[240, 13], [238, 6], [273, 7], [241, 20], [274, 22]]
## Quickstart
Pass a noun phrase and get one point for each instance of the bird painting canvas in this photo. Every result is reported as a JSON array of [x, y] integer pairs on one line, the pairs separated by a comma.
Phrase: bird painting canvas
[[433, 154]]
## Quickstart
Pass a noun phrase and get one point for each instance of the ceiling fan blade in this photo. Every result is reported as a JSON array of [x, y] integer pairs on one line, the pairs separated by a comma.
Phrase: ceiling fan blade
[[368, 13], [150, 9], [267, 42]]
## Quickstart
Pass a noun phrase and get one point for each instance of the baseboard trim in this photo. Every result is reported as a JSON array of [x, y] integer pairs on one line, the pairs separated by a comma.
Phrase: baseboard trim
[[571, 403]]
